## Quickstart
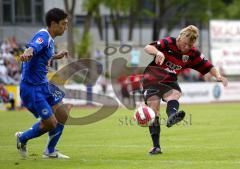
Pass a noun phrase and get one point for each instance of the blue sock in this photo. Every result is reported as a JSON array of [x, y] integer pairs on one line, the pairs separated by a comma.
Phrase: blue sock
[[53, 138], [31, 133]]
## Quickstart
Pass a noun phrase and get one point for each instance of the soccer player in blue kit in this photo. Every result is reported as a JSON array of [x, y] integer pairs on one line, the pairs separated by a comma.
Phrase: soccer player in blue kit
[[42, 99]]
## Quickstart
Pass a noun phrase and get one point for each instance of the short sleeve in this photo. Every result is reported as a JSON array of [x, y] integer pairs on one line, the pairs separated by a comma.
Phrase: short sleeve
[[39, 41], [200, 63]]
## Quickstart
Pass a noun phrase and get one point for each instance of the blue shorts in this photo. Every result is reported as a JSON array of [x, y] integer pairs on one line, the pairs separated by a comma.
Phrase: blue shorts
[[39, 99]]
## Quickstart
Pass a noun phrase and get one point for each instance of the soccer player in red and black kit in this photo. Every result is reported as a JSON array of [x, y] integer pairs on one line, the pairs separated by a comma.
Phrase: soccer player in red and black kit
[[171, 56]]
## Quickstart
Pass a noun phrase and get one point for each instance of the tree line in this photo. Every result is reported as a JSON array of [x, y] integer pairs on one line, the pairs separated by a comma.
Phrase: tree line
[[166, 14]]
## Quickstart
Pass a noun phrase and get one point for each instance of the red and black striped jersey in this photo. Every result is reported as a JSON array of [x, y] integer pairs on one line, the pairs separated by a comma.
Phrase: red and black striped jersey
[[175, 61]]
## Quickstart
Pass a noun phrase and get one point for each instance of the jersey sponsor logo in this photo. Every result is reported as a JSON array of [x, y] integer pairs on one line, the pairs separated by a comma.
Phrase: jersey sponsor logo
[[185, 58], [173, 66], [170, 71], [39, 41]]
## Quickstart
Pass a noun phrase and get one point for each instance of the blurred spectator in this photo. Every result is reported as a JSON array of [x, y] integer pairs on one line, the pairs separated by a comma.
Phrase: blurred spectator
[[5, 46], [186, 75], [100, 57], [123, 81], [13, 43], [7, 97], [103, 82], [189, 75], [3, 69], [135, 81], [4, 74], [7, 55], [13, 69], [9, 67]]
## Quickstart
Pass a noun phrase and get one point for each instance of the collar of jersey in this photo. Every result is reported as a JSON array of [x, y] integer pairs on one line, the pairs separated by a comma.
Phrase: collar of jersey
[[45, 30]]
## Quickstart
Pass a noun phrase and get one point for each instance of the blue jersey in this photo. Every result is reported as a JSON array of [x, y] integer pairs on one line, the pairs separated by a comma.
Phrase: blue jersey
[[35, 70]]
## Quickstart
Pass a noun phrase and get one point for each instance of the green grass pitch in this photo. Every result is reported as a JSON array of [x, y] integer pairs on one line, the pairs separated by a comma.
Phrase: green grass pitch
[[208, 138]]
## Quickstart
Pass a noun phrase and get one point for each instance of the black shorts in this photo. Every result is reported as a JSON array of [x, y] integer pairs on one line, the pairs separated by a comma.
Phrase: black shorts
[[159, 89]]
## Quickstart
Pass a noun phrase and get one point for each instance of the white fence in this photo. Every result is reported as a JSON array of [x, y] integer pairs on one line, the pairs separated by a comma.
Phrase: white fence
[[199, 92]]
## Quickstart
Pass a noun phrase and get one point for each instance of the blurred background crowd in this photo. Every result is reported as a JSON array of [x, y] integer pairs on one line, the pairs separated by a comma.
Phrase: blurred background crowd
[[104, 30]]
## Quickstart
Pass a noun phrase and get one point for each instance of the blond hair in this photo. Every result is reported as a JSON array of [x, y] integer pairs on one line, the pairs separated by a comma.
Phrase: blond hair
[[191, 32]]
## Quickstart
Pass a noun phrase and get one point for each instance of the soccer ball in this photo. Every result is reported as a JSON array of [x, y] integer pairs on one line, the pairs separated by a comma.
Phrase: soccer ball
[[144, 116]]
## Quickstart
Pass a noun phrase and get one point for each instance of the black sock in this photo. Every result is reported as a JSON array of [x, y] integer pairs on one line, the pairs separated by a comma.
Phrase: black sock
[[172, 107], [154, 130]]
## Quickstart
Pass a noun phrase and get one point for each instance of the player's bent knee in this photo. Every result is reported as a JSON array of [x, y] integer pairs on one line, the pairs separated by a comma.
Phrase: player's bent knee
[[177, 95], [52, 125], [174, 95], [49, 124], [62, 112], [61, 117]]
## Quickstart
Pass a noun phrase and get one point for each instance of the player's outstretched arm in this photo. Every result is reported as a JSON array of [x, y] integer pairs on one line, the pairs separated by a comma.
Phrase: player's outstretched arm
[[215, 73], [61, 54], [27, 55]]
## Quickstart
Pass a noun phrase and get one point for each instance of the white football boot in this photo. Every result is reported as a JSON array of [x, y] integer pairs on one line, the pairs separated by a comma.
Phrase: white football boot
[[55, 154], [22, 148]]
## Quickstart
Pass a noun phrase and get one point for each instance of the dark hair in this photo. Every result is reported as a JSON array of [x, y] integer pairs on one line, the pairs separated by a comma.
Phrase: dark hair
[[55, 14]]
